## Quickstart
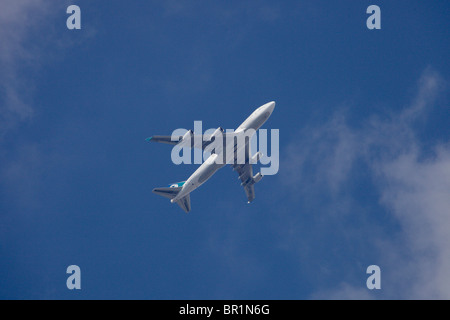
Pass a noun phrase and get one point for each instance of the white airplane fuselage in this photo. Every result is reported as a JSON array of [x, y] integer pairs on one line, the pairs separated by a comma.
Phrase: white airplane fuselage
[[210, 166]]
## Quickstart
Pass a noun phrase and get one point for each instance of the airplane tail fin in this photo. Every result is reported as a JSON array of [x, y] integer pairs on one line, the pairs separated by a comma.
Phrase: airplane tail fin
[[171, 192]]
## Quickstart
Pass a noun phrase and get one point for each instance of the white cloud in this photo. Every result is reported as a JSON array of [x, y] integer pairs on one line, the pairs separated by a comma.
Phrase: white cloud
[[412, 185], [323, 157], [418, 193], [26, 32], [18, 21]]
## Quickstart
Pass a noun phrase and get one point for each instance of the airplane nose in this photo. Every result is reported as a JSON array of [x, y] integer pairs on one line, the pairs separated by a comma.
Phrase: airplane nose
[[269, 106]]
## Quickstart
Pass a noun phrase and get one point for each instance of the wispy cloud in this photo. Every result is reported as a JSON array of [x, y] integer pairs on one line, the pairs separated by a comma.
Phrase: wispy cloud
[[26, 32], [417, 192], [410, 183], [18, 56], [323, 157]]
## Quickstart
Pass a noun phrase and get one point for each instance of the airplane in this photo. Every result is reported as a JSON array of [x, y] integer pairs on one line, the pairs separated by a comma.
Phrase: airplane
[[179, 192]]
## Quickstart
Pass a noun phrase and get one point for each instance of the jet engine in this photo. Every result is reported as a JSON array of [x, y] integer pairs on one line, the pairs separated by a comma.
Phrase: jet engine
[[256, 157], [250, 181], [186, 139], [187, 135], [257, 177], [218, 131]]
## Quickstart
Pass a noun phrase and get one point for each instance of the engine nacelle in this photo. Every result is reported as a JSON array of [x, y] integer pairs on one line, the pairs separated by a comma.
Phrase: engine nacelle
[[186, 139], [187, 135], [256, 157], [257, 177], [252, 180], [218, 132]]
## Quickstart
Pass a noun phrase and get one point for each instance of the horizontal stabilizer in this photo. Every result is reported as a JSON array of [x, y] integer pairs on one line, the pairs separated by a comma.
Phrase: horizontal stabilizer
[[185, 203], [167, 192], [171, 192]]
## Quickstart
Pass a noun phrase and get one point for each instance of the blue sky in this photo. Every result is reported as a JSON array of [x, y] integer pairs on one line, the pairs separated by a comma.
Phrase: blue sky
[[364, 149]]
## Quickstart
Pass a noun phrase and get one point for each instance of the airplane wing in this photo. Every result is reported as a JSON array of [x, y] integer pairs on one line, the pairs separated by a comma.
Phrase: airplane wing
[[196, 142], [245, 173], [165, 139]]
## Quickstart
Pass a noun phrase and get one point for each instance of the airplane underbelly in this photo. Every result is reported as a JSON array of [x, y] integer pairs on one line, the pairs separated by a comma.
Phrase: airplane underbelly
[[208, 169]]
